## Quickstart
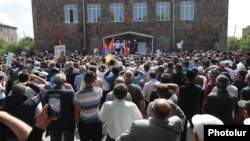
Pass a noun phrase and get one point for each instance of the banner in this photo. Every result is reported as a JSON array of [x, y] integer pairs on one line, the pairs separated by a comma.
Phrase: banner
[[58, 50], [9, 59], [179, 45]]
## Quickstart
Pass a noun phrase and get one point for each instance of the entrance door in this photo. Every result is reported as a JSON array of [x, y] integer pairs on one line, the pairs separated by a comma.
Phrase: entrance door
[[142, 48]]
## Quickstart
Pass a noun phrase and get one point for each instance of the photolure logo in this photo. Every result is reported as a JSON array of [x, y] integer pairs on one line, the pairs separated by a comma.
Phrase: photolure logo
[[234, 132]]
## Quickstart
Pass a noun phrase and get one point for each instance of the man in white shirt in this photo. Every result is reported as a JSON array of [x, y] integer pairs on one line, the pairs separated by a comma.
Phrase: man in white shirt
[[241, 65], [118, 115], [149, 87]]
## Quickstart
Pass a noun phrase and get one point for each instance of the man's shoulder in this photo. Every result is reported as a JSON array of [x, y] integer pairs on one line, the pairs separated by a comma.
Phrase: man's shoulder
[[141, 122]]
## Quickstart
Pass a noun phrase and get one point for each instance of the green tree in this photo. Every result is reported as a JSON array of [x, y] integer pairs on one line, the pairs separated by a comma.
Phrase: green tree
[[27, 43], [232, 44], [245, 44], [3, 46]]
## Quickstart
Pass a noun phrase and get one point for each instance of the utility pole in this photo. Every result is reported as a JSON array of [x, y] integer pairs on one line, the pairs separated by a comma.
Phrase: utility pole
[[173, 22], [235, 30]]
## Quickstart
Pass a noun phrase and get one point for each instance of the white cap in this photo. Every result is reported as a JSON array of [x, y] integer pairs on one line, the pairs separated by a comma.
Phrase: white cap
[[247, 121], [43, 74], [200, 120]]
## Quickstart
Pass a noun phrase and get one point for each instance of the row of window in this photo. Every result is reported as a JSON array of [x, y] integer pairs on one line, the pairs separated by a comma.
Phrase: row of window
[[139, 12]]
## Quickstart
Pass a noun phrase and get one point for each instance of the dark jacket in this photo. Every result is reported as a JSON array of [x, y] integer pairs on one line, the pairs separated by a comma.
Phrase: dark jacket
[[21, 107], [221, 105], [110, 79], [189, 99], [66, 122]]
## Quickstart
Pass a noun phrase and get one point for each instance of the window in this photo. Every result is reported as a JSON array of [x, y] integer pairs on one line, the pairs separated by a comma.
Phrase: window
[[162, 11], [94, 13], [187, 10], [116, 12], [140, 11], [71, 13]]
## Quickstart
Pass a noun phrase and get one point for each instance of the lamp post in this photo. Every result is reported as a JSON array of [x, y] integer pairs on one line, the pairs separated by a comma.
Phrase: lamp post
[[173, 21]]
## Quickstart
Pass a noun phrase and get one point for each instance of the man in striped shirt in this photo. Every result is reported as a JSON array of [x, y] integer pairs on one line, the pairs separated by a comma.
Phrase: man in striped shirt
[[87, 110]]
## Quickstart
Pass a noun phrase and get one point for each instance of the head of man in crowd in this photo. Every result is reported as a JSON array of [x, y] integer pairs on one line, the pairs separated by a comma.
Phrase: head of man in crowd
[[102, 68], [115, 70], [212, 74], [18, 89], [222, 82], [241, 74], [120, 91], [128, 76], [60, 79], [119, 80], [23, 77], [82, 69], [163, 91], [161, 109], [166, 78], [89, 78], [152, 74], [199, 121], [190, 76], [178, 68]]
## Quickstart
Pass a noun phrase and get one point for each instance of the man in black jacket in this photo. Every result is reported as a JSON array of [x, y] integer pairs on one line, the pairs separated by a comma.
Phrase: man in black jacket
[[221, 103], [65, 124], [18, 105]]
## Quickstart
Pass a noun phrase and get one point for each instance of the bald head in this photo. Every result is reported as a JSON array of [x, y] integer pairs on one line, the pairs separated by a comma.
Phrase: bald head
[[161, 109]]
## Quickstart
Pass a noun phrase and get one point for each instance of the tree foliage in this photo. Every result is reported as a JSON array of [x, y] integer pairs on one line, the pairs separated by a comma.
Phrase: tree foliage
[[26, 44], [242, 44], [232, 44]]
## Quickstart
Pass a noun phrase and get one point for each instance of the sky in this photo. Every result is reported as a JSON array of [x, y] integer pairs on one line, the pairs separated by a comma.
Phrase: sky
[[18, 13]]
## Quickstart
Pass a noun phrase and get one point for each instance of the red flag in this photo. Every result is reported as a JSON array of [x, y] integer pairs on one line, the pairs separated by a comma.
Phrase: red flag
[[111, 44], [58, 40]]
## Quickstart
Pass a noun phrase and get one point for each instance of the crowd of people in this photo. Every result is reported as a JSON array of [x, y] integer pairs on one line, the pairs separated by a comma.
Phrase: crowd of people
[[138, 97]]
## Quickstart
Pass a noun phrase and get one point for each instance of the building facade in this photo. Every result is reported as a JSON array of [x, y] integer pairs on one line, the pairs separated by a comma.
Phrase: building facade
[[153, 24], [8, 32]]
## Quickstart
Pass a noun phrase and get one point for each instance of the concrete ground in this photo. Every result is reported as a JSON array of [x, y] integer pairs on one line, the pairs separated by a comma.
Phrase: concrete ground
[[189, 136]]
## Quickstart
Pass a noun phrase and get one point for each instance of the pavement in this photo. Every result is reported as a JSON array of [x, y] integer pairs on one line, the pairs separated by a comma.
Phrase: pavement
[[189, 136]]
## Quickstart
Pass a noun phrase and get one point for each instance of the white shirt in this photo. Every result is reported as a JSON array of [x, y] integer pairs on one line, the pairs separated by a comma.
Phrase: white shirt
[[118, 116], [105, 84], [148, 88], [2, 94], [240, 66], [231, 72]]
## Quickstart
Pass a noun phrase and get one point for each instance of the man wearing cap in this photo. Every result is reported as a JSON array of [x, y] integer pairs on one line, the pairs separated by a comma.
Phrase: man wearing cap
[[156, 128], [65, 124], [221, 103]]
